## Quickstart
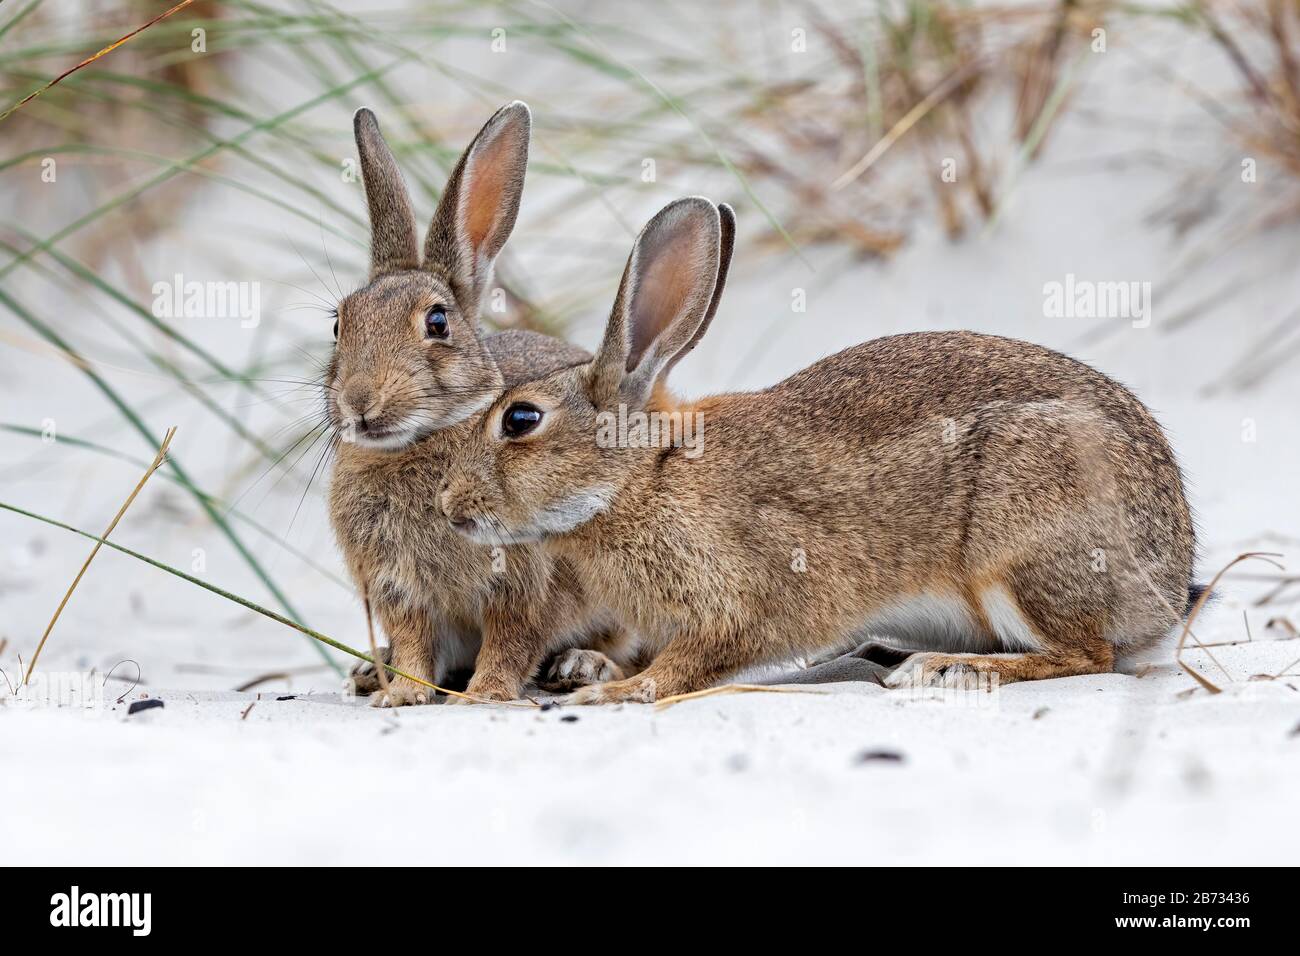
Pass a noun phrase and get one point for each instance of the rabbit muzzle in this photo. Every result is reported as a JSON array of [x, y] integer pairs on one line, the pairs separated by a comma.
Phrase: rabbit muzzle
[[467, 512], [366, 417]]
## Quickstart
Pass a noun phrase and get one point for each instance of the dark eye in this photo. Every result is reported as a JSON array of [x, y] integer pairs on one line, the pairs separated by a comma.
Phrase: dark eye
[[336, 330], [519, 419], [435, 323]]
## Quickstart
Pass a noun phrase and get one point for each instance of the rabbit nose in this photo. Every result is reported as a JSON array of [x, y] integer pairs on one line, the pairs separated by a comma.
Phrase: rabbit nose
[[455, 512], [356, 400]]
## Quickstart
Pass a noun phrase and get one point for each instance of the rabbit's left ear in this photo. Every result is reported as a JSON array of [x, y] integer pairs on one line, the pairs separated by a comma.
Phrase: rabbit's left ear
[[478, 208], [664, 301], [393, 243], [726, 246]]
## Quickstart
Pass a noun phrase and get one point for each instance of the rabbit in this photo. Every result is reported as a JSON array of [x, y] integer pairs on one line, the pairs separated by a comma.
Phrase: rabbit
[[1010, 513], [409, 374]]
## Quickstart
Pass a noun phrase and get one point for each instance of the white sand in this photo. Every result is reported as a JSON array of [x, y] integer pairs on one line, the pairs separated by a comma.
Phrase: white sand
[[1087, 770], [1106, 769]]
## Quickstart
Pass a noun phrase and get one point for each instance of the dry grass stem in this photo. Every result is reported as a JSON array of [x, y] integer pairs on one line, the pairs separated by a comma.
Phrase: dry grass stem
[[731, 689], [1265, 556], [158, 459], [262, 679], [370, 632], [92, 58]]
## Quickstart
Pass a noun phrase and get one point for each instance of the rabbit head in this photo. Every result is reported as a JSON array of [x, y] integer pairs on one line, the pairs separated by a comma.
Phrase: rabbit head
[[551, 454], [409, 357]]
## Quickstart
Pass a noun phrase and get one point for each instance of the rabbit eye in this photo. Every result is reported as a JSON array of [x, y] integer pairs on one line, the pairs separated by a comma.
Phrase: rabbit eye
[[435, 323], [519, 419], [336, 330]]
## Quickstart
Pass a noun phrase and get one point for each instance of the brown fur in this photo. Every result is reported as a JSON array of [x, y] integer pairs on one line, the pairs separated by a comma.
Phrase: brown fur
[[954, 464], [402, 401]]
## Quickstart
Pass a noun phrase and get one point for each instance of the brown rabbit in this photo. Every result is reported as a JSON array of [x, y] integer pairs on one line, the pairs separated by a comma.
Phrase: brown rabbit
[[1012, 510], [409, 373]]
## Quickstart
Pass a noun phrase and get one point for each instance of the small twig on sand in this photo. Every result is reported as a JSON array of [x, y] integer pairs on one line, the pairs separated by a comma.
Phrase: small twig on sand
[[250, 684], [251, 705], [154, 465], [1283, 624], [1200, 603], [1282, 585], [732, 689]]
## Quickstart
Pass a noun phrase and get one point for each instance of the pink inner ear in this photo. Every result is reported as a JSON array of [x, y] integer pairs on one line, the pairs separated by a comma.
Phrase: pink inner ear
[[493, 172], [667, 277]]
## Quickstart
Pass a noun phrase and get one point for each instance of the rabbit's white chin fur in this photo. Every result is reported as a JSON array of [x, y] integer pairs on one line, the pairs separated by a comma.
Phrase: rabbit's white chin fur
[[555, 519], [480, 533], [570, 511], [391, 439]]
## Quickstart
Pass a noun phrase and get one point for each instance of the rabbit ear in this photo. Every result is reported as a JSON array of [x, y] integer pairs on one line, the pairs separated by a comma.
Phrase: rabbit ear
[[479, 206], [726, 245], [393, 243], [663, 300]]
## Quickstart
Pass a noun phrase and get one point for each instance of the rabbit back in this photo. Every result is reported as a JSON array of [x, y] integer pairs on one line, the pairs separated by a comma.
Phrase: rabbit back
[[968, 472]]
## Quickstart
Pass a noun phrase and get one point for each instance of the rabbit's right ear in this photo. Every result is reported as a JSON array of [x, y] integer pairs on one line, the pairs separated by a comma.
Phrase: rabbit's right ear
[[393, 243], [663, 302]]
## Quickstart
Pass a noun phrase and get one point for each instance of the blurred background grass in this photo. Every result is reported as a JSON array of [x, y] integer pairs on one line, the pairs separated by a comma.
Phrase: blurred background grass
[[154, 140]]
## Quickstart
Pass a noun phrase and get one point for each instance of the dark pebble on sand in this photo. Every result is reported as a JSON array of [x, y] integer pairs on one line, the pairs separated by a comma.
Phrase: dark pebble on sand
[[139, 705], [570, 718], [880, 756]]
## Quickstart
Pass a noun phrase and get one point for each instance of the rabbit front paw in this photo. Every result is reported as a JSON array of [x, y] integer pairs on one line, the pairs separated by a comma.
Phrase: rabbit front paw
[[363, 678], [577, 667], [401, 693], [639, 690], [934, 670], [486, 690]]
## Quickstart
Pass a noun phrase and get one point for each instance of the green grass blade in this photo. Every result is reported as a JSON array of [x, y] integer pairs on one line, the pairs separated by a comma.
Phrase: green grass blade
[[217, 502], [173, 463], [184, 165], [228, 595]]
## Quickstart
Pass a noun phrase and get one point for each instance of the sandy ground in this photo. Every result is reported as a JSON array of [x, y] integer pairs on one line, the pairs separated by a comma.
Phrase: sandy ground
[[1107, 769], [1088, 770]]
